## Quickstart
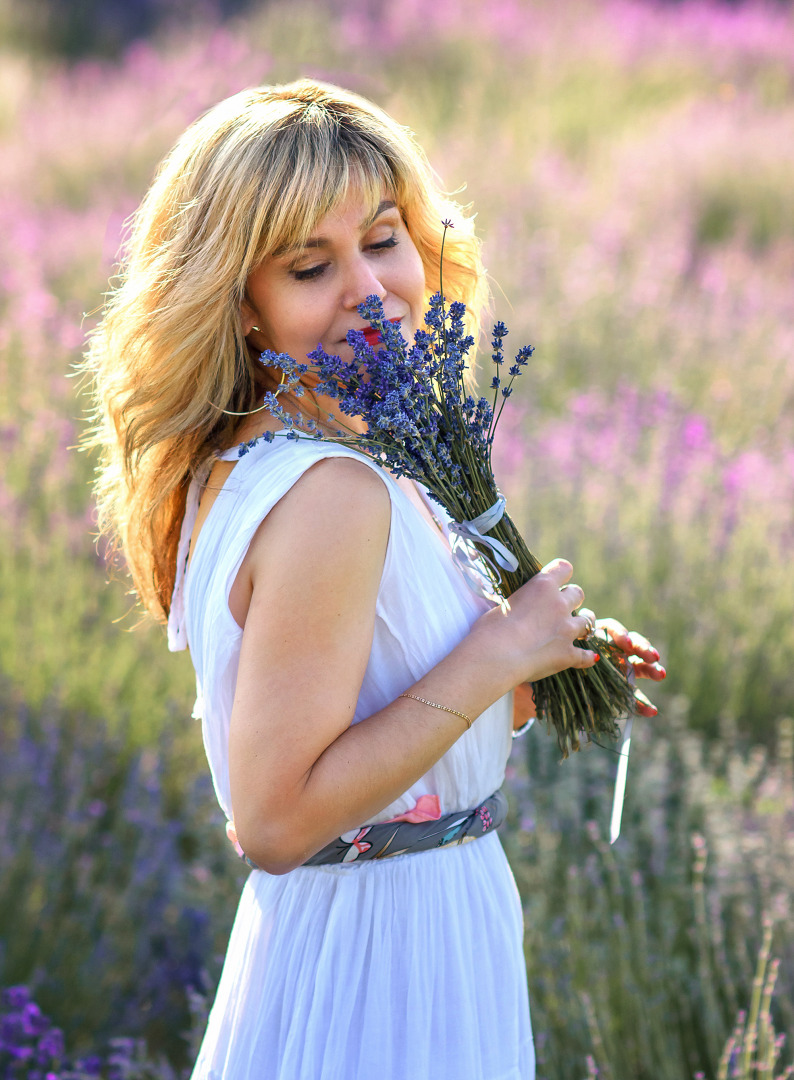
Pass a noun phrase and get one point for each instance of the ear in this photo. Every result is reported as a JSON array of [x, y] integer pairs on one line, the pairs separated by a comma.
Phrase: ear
[[248, 317]]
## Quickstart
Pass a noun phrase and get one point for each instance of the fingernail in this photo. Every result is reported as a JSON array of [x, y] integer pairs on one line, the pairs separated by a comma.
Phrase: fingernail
[[655, 654]]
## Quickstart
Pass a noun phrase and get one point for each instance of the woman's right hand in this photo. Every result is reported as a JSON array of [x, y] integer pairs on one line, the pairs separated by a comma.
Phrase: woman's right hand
[[534, 636]]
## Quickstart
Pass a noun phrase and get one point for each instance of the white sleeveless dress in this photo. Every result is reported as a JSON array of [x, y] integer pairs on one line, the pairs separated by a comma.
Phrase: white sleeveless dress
[[408, 968]]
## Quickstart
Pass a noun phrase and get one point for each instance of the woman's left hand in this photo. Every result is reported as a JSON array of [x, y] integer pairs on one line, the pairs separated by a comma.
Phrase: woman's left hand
[[642, 656]]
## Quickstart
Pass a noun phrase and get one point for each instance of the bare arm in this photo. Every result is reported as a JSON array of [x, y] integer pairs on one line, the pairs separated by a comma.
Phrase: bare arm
[[300, 773]]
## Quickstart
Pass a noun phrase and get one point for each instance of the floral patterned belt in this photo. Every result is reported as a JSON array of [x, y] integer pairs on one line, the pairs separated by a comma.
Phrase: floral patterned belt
[[410, 833]]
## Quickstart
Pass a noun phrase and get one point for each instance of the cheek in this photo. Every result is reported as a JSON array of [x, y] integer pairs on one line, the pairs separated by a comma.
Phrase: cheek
[[284, 312], [287, 320], [415, 284]]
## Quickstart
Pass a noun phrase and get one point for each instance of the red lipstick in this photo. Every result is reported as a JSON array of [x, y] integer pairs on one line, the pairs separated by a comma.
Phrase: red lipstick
[[372, 335]]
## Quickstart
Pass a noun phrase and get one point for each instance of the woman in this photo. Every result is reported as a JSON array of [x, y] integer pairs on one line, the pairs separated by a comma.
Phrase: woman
[[347, 675]]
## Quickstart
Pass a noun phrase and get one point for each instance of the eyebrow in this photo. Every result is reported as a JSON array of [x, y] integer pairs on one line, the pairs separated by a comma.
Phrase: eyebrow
[[321, 241], [385, 204]]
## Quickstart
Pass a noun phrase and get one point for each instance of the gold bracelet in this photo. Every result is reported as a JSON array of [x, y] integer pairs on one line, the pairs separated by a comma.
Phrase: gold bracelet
[[435, 705]]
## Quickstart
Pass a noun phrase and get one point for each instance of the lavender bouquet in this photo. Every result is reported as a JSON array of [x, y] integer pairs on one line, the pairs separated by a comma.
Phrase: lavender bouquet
[[423, 423]]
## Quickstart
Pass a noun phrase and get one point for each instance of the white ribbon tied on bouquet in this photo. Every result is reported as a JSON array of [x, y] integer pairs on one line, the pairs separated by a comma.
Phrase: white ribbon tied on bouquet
[[623, 769], [465, 534]]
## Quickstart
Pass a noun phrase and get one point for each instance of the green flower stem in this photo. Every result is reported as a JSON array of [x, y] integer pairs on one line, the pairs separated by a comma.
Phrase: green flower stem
[[577, 701]]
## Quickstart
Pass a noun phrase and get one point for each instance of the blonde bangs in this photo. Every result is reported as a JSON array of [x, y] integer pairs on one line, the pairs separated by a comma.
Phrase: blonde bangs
[[313, 177]]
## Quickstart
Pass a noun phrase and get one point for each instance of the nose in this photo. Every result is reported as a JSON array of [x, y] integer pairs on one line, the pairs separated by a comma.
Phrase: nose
[[361, 280]]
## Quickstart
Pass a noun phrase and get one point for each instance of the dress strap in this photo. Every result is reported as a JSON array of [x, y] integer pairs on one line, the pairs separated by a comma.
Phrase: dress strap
[[177, 631]]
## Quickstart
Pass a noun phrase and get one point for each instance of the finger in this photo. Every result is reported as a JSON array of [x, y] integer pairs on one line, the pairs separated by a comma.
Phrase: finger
[[558, 569], [629, 640], [589, 617], [574, 594], [639, 640], [584, 658], [616, 632], [642, 647], [644, 706], [644, 670]]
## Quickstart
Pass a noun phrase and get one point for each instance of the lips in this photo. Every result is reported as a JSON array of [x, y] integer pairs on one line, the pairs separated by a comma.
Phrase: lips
[[373, 336]]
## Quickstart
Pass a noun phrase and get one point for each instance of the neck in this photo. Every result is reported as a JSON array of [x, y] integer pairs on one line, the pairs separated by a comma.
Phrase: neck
[[310, 406]]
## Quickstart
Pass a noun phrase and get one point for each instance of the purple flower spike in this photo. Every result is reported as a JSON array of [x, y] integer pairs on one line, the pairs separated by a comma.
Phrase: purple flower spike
[[16, 997], [34, 1022]]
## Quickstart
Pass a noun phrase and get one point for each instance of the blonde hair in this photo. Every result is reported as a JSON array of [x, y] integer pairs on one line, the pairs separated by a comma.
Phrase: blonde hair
[[253, 175]]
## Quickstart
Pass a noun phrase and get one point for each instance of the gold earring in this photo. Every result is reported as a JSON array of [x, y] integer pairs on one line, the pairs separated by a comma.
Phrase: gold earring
[[256, 328]]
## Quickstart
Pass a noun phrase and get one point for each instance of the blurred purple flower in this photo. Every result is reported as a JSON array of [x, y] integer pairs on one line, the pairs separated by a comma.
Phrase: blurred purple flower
[[15, 997], [696, 433], [33, 1022], [51, 1045]]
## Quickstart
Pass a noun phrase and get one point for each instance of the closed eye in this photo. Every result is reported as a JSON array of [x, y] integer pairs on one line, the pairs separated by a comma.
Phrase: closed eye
[[383, 245], [310, 272], [313, 272]]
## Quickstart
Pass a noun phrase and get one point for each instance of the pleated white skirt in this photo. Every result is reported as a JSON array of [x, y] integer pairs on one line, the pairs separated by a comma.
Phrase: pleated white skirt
[[410, 968]]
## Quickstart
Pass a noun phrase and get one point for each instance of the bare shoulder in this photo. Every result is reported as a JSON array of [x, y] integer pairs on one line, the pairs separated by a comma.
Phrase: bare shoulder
[[329, 532], [343, 477], [338, 509]]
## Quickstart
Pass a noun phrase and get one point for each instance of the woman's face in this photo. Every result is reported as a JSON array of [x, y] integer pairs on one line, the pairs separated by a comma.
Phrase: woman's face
[[307, 296]]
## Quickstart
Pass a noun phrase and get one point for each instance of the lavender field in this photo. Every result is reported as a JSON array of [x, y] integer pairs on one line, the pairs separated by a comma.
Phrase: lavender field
[[632, 166]]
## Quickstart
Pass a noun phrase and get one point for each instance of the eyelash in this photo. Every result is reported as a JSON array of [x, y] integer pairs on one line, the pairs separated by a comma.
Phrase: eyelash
[[314, 272]]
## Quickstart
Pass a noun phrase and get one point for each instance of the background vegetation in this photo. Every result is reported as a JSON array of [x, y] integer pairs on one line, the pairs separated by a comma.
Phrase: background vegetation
[[633, 171]]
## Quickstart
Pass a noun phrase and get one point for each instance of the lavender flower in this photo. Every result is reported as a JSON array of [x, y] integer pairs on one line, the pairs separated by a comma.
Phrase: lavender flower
[[30, 1046]]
